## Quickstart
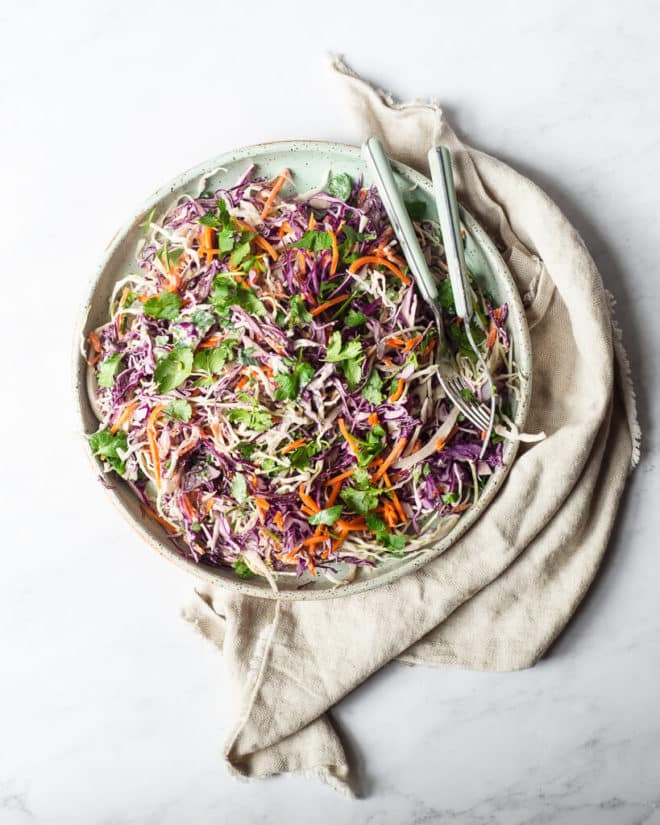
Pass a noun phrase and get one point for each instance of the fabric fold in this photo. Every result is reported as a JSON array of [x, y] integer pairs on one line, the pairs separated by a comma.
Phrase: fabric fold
[[503, 592]]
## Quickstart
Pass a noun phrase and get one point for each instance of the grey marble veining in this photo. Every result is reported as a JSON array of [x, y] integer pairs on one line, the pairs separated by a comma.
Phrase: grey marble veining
[[112, 711]]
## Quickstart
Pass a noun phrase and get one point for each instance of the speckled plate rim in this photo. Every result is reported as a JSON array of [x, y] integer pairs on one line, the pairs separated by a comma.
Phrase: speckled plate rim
[[154, 535]]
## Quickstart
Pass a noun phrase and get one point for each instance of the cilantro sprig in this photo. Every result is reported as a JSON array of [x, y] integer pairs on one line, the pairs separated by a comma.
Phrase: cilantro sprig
[[108, 446], [349, 357]]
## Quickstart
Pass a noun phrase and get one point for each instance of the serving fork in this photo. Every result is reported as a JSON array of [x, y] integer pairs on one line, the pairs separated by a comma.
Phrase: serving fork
[[452, 382]]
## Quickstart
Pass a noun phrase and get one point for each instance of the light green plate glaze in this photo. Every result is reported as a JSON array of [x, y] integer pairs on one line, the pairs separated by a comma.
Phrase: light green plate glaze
[[310, 162]]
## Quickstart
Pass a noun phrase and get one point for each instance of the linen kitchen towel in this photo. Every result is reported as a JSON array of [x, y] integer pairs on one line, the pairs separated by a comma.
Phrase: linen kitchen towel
[[503, 592]]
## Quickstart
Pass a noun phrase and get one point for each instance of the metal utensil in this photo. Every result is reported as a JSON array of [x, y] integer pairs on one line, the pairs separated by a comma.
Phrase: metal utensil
[[450, 379], [445, 197]]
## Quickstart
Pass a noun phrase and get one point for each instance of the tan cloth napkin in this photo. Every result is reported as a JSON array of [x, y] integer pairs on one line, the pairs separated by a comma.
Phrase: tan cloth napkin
[[499, 597]]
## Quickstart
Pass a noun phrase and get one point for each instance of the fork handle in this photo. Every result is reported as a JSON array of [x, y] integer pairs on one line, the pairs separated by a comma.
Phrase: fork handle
[[445, 197], [396, 210]]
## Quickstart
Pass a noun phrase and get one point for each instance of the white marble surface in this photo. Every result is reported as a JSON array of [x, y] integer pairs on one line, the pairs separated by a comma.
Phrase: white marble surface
[[111, 710]]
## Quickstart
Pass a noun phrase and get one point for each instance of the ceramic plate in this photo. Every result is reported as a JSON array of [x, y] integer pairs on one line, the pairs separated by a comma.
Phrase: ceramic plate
[[310, 162]]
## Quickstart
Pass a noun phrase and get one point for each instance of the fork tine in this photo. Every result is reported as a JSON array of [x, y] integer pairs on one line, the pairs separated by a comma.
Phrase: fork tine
[[476, 413], [469, 409]]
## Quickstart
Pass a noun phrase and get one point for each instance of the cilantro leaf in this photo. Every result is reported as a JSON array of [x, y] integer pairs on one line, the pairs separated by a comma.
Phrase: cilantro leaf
[[314, 240], [226, 240], [354, 318], [239, 487], [107, 446], [290, 384], [383, 535], [202, 319], [254, 419], [352, 369], [213, 360], [227, 293], [340, 186], [166, 306], [457, 333], [328, 516], [372, 389], [209, 219], [375, 523], [361, 478], [173, 369], [179, 408], [107, 370], [337, 351], [351, 237], [301, 457], [287, 386], [298, 311], [450, 498], [371, 447], [240, 253], [446, 296], [241, 569], [360, 501], [416, 209], [394, 542]]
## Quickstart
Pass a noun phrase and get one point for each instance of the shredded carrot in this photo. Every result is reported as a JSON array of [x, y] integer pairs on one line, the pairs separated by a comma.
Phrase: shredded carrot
[[124, 295], [242, 382], [94, 359], [312, 222], [187, 505], [373, 420], [258, 239], [391, 458], [95, 342], [398, 392], [389, 514], [211, 342], [340, 477], [460, 507], [429, 347], [492, 335], [412, 343], [124, 416], [209, 505], [441, 442], [154, 515], [337, 543], [395, 342], [279, 183], [335, 252], [207, 242], [302, 263], [355, 524], [285, 228], [314, 540], [293, 445], [352, 443], [151, 438], [377, 260], [279, 520], [311, 567], [322, 307], [307, 500], [334, 492], [398, 507]]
